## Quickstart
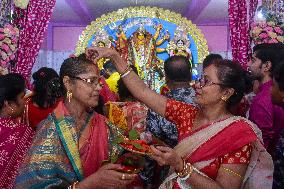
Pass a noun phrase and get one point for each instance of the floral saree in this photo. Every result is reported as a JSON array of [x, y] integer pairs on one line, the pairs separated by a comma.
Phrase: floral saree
[[15, 139], [203, 146], [128, 115], [54, 160]]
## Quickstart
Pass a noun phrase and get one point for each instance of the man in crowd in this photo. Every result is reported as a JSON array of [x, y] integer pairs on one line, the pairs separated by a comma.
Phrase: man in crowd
[[268, 117], [178, 77], [277, 93]]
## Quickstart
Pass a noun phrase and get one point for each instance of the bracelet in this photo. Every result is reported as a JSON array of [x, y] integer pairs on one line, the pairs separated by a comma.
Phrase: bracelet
[[182, 172], [188, 172], [126, 73], [73, 186]]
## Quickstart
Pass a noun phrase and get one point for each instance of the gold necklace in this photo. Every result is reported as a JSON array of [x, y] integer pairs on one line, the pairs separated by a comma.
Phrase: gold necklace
[[220, 118]]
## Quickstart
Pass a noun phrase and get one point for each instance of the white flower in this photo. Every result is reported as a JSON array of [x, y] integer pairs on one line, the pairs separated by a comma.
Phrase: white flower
[[280, 39], [271, 23], [3, 71], [23, 4]]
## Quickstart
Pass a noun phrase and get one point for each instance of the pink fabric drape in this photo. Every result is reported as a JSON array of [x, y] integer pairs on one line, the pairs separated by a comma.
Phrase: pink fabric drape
[[15, 140], [239, 29], [33, 25]]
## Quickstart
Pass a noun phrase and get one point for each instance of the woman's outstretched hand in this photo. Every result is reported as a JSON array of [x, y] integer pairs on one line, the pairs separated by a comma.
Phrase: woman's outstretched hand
[[96, 53], [108, 177], [167, 156]]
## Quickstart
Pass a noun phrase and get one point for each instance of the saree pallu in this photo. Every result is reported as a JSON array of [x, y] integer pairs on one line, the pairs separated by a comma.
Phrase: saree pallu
[[204, 146], [15, 139], [48, 163]]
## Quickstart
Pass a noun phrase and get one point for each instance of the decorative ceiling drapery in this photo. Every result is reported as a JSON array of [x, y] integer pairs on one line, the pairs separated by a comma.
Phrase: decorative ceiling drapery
[[33, 24], [239, 23]]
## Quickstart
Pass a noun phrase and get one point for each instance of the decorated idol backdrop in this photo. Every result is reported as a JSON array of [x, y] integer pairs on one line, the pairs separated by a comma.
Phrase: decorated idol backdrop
[[146, 37]]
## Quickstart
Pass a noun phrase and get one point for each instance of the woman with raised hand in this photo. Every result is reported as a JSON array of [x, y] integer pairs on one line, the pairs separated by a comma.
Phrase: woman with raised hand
[[15, 138], [72, 143], [216, 149]]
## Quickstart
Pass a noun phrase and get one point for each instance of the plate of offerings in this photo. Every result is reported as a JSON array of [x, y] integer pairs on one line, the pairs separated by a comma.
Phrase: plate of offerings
[[136, 146]]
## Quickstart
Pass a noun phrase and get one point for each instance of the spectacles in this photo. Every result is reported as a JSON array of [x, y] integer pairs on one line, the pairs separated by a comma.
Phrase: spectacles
[[91, 81], [203, 82]]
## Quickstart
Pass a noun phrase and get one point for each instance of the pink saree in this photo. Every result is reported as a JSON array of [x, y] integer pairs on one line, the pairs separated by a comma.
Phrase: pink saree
[[15, 140]]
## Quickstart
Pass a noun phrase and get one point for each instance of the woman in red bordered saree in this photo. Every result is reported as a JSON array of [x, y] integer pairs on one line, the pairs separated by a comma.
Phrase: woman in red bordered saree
[[72, 145], [216, 149], [15, 138]]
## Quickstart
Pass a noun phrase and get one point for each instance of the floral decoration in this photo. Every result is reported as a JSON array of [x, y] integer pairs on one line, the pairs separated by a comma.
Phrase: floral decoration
[[267, 32], [9, 36], [22, 4], [268, 26]]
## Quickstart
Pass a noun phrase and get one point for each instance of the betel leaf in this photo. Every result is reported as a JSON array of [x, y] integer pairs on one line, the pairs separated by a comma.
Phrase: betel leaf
[[118, 140], [138, 146], [133, 134]]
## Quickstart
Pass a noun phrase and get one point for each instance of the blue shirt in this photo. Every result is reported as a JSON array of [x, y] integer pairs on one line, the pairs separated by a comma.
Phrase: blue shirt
[[162, 128]]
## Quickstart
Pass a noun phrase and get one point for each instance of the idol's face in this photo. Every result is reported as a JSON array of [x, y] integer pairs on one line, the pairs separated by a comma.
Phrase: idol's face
[[180, 43]]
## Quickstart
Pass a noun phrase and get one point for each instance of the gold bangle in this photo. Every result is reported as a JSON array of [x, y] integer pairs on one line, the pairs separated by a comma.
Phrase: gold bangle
[[73, 186], [187, 170], [232, 172]]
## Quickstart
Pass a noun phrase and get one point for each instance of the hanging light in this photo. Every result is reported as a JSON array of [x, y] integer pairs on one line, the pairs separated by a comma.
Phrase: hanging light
[[261, 13]]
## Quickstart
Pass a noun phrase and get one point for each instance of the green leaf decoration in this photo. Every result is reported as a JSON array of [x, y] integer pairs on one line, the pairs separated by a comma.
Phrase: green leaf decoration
[[114, 158], [138, 146], [118, 140], [133, 134]]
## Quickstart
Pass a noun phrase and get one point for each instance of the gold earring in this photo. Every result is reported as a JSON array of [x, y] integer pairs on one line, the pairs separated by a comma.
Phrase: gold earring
[[69, 95], [12, 109], [224, 98]]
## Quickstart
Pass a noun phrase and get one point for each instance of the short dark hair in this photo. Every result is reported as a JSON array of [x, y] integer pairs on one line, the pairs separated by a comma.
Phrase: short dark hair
[[278, 75], [275, 46], [232, 75], [11, 85], [211, 59], [47, 87], [269, 54], [178, 68], [109, 66], [73, 67]]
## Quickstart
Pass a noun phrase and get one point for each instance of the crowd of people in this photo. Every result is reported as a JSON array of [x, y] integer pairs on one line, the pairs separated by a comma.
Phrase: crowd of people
[[224, 131]]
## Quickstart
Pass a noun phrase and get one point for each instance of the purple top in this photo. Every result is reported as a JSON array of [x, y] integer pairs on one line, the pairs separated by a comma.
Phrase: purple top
[[268, 117]]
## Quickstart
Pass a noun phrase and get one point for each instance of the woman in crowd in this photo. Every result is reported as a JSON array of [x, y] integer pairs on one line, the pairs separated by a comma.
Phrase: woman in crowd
[[45, 97], [216, 149], [15, 138], [128, 113], [72, 144]]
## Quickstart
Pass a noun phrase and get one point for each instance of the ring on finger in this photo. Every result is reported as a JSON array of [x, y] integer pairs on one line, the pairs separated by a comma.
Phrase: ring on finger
[[123, 177]]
